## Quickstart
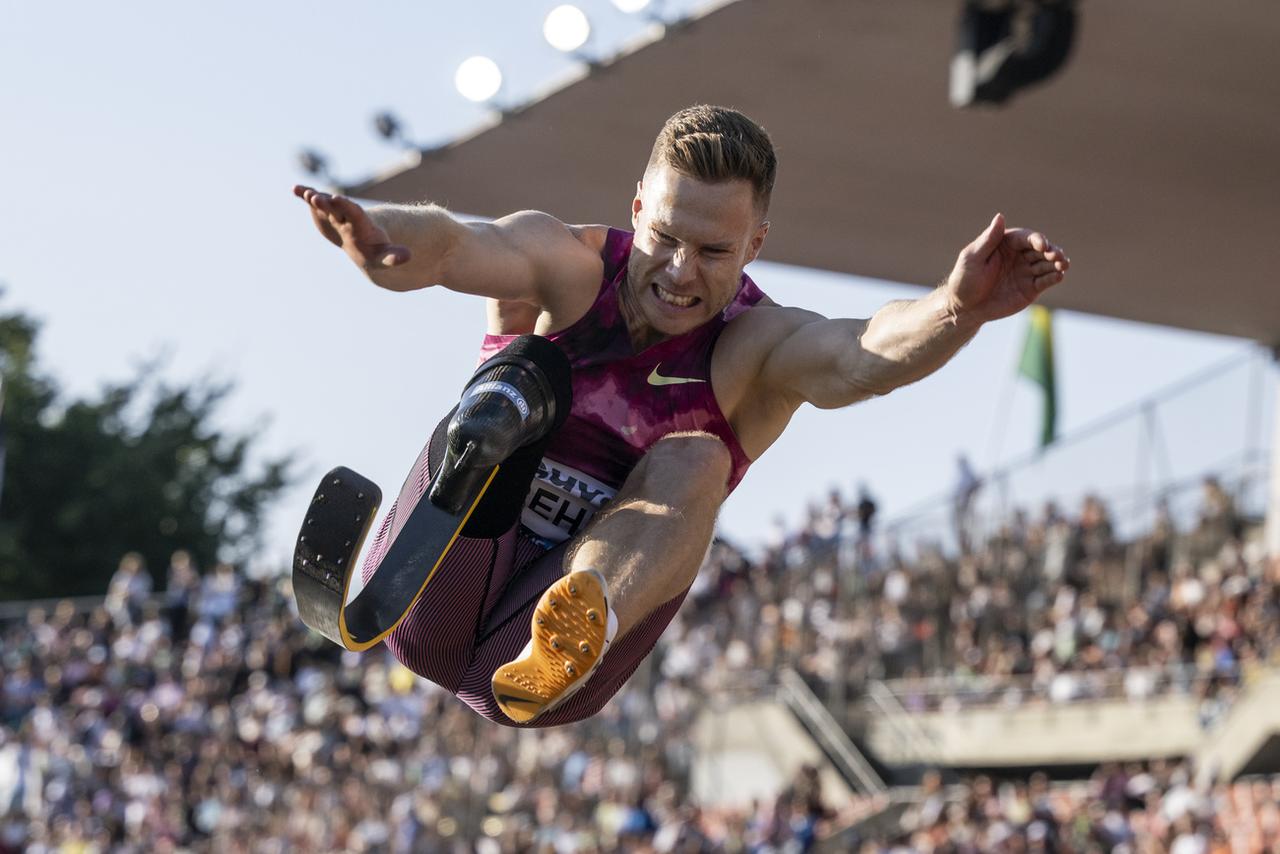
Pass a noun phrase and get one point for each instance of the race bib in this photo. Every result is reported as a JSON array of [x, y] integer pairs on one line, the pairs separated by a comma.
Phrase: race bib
[[562, 500]]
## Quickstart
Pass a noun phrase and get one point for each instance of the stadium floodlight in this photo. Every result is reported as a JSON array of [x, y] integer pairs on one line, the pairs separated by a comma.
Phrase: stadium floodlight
[[314, 163], [566, 28], [388, 126], [478, 79], [631, 6]]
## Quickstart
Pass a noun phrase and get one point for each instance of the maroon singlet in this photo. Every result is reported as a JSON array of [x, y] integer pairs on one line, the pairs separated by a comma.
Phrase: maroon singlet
[[623, 401]]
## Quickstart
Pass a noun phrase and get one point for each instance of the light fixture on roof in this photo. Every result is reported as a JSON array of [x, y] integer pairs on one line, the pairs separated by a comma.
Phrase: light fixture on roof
[[566, 28], [478, 79], [390, 129], [315, 164], [650, 10]]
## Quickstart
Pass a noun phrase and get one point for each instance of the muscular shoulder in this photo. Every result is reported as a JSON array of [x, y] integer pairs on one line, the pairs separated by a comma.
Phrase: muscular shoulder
[[751, 336], [544, 237], [593, 237], [757, 412], [566, 265]]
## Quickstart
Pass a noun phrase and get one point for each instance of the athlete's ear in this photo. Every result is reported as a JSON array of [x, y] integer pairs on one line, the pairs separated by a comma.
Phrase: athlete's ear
[[757, 241], [636, 205]]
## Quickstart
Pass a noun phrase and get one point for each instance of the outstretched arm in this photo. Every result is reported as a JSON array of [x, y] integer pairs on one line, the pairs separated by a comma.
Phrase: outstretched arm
[[521, 257], [832, 363]]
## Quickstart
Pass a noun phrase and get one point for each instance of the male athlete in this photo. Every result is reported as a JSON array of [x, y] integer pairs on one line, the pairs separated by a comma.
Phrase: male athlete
[[683, 373]]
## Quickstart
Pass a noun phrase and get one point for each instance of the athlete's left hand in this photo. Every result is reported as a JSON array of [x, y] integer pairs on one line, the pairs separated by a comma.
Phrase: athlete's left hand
[[1002, 272]]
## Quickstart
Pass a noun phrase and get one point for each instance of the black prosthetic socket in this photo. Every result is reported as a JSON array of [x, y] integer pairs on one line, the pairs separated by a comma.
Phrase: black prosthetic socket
[[500, 508], [508, 413]]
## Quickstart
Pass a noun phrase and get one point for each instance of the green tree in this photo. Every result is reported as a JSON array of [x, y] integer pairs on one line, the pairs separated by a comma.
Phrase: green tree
[[141, 467]]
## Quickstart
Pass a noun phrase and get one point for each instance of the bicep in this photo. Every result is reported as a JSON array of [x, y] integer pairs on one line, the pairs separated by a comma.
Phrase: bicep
[[817, 362], [522, 257]]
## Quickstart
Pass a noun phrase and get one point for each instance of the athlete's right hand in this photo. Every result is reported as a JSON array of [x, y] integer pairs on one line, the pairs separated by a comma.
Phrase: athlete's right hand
[[345, 224]]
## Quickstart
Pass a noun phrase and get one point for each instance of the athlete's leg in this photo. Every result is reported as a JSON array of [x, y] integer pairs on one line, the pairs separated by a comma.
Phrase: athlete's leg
[[652, 538], [648, 545]]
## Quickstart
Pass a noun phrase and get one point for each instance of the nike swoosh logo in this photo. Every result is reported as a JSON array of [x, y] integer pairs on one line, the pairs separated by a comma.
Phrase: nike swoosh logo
[[507, 699], [656, 378]]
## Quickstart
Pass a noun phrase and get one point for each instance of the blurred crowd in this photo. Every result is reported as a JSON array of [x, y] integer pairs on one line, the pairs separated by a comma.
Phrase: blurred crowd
[[1136, 807], [199, 713], [1047, 608], [208, 718]]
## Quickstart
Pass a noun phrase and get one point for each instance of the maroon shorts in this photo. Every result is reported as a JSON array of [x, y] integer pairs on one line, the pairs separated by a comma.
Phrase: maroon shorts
[[475, 615]]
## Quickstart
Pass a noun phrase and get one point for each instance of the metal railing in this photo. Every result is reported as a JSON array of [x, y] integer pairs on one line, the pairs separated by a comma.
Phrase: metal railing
[[1165, 440], [939, 693], [916, 743], [19, 609], [813, 715]]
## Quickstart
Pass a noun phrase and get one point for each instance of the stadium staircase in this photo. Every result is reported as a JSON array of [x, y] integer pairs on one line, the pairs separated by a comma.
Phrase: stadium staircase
[[1246, 740], [751, 748]]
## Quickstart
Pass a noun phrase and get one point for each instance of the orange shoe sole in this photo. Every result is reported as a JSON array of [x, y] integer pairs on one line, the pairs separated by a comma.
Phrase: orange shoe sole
[[570, 633]]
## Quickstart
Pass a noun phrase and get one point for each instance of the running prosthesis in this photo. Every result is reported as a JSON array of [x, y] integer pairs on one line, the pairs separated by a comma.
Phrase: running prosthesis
[[490, 449]]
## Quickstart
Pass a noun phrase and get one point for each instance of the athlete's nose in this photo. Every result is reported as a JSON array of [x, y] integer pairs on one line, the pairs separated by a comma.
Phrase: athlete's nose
[[682, 267]]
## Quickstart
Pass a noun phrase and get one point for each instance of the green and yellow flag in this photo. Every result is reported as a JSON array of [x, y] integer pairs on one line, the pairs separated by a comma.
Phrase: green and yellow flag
[[1037, 366]]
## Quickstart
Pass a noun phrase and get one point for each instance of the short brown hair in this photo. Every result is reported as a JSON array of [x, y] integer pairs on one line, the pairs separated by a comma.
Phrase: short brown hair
[[718, 144]]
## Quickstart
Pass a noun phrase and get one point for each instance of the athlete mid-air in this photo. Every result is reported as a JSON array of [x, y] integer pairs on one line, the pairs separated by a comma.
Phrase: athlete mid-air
[[627, 382]]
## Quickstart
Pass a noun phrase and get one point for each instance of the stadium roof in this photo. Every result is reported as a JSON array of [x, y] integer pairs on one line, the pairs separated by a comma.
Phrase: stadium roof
[[1153, 156]]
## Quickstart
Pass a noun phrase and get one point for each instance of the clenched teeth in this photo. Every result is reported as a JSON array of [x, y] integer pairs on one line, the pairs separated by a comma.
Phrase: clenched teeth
[[673, 299]]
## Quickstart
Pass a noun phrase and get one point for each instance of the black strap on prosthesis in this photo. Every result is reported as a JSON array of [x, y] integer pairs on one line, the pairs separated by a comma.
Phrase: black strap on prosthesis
[[509, 412]]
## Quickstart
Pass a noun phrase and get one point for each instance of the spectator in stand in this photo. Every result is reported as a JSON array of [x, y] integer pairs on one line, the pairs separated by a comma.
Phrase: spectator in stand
[[219, 594], [180, 592], [1218, 521], [866, 511], [864, 556], [967, 487], [128, 588]]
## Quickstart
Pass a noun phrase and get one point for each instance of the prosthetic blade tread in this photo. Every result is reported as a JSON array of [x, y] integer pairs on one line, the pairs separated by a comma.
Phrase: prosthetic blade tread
[[339, 519]]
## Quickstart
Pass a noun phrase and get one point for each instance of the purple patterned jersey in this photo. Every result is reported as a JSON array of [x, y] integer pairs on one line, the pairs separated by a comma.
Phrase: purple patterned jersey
[[623, 402]]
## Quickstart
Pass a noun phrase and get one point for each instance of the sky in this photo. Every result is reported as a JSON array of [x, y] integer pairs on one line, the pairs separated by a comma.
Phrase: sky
[[146, 160]]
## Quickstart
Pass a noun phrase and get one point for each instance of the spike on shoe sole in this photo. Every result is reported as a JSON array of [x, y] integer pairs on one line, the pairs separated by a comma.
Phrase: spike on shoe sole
[[562, 653]]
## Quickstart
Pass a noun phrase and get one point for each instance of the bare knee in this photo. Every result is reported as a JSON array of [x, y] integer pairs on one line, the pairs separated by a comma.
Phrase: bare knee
[[688, 465]]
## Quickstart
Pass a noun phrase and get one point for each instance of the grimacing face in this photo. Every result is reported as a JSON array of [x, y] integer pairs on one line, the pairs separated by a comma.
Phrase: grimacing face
[[692, 240]]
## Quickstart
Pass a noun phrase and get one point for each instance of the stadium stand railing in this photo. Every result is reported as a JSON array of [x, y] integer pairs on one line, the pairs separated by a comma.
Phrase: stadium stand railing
[[1147, 454], [835, 742]]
